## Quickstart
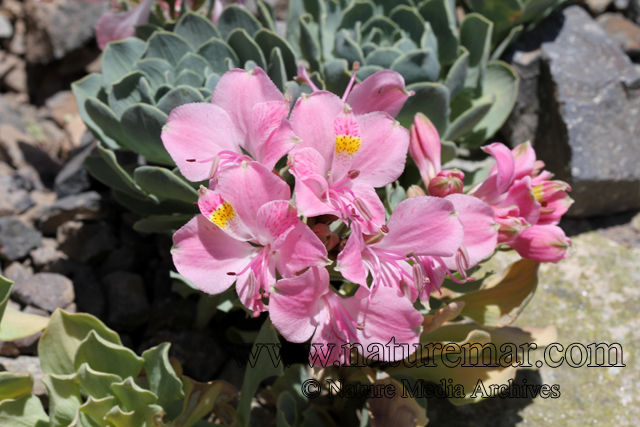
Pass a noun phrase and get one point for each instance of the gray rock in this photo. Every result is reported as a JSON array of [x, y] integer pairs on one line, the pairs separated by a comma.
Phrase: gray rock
[[589, 100], [83, 242], [26, 365], [126, 299], [47, 291], [89, 294], [18, 273], [9, 116], [17, 238], [6, 29], [46, 255], [73, 178], [14, 195], [598, 6], [76, 207]]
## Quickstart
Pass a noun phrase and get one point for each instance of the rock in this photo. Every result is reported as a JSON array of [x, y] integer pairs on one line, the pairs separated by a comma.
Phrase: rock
[[46, 167], [18, 44], [596, 7], [6, 29], [26, 365], [73, 178], [126, 299], [17, 238], [42, 200], [77, 207], [584, 126], [56, 140], [83, 242], [47, 255], [89, 294], [18, 273], [10, 151], [9, 116], [59, 27], [123, 258], [8, 62], [635, 222], [624, 32], [14, 195], [45, 290], [62, 107], [16, 79]]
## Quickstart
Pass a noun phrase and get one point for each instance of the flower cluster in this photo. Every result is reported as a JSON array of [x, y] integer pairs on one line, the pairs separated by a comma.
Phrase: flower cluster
[[282, 252]]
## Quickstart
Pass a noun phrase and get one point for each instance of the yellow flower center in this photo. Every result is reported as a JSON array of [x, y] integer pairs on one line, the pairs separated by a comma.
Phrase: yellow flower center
[[347, 144], [223, 215]]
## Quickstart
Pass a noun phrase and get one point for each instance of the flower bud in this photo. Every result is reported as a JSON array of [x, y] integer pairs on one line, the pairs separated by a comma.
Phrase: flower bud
[[415, 191], [446, 182], [328, 238], [425, 148]]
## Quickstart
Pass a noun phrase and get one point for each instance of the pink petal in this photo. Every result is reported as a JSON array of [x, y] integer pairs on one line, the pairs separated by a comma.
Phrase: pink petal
[[524, 160], [505, 165], [194, 134], [350, 260], [310, 170], [367, 194], [559, 203], [238, 91], [204, 254], [425, 148], [248, 186], [388, 317], [281, 141], [480, 231], [113, 26], [382, 91], [275, 220], [295, 303], [313, 118], [521, 195], [266, 118], [425, 226], [301, 249], [383, 154], [222, 214], [542, 243]]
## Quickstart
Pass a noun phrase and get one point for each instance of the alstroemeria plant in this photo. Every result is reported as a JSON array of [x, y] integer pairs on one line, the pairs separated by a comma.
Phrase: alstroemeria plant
[[280, 250]]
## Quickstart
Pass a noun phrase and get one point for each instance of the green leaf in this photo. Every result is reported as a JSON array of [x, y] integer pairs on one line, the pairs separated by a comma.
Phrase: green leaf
[[116, 417], [309, 44], [263, 369], [268, 40], [201, 398], [536, 10], [458, 73], [64, 398], [410, 21], [118, 58], [429, 40], [168, 46], [164, 184], [132, 397], [155, 70], [5, 291], [276, 71], [13, 385], [296, 10], [367, 70], [192, 62], [384, 24], [475, 36], [287, 413], [163, 381], [124, 93], [145, 31], [189, 78], [16, 324], [383, 57], [234, 16], [195, 28], [147, 207], [216, 52], [441, 15], [246, 48], [60, 341], [105, 356], [266, 16], [176, 97], [146, 95], [406, 45], [162, 91], [503, 14], [466, 121], [417, 66], [95, 384], [91, 86], [431, 99], [504, 44], [212, 81], [357, 11], [103, 166], [25, 411], [167, 224], [106, 119], [348, 49], [142, 125], [336, 75], [501, 84], [97, 409]]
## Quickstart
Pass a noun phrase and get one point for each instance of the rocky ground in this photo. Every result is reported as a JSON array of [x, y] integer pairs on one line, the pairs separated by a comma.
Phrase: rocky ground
[[65, 243]]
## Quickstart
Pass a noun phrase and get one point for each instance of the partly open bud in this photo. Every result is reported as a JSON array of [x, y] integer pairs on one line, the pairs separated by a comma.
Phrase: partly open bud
[[425, 148], [328, 238], [415, 191], [446, 182]]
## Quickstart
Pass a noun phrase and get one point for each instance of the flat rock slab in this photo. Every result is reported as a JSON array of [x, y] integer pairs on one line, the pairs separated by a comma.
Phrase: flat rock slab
[[17, 238], [47, 291], [591, 297], [581, 110]]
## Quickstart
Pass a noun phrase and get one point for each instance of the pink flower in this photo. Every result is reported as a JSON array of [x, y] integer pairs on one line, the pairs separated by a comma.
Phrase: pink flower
[[248, 230], [343, 157], [305, 307], [247, 112], [114, 26], [419, 226], [425, 148], [528, 205], [446, 182]]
